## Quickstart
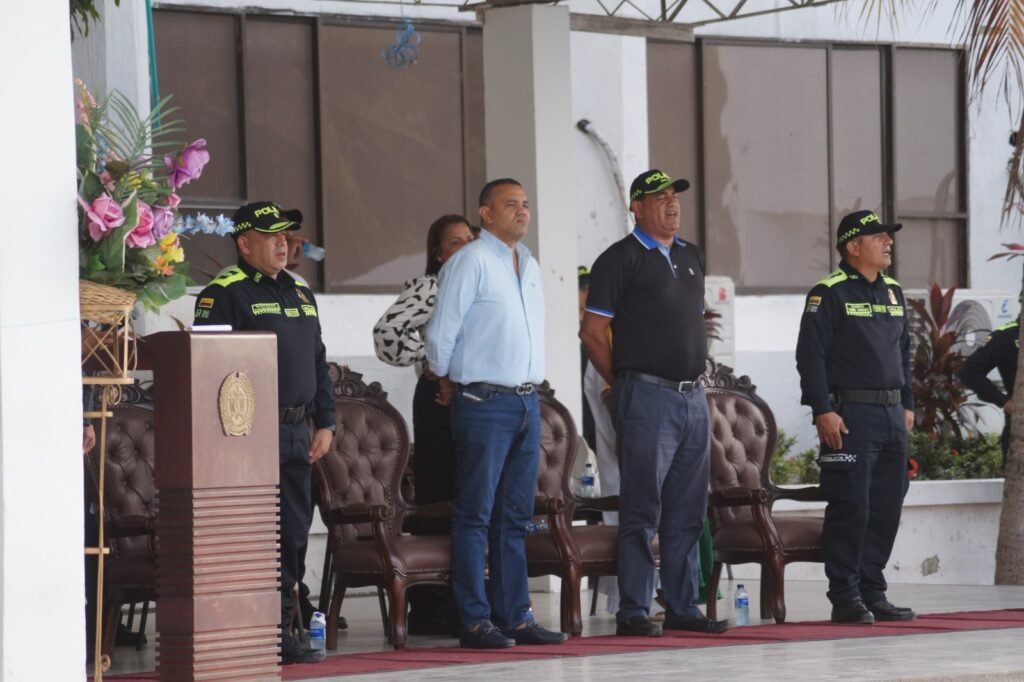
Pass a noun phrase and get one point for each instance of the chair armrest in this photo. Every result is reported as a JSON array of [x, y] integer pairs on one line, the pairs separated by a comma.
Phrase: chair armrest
[[359, 512], [738, 496], [811, 493], [434, 510], [609, 503], [548, 506]]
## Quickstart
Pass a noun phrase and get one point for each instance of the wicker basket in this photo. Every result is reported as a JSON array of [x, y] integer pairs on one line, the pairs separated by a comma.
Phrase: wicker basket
[[108, 341]]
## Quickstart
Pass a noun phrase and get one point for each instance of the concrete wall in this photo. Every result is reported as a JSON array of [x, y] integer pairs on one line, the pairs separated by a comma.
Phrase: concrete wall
[[947, 535]]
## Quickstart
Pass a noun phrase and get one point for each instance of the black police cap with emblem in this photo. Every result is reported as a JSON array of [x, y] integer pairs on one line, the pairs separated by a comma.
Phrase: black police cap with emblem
[[860, 223], [654, 181], [266, 217]]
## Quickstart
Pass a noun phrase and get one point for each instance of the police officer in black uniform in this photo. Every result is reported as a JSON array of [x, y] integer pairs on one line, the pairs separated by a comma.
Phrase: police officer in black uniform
[[259, 295], [853, 356], [998, 352]]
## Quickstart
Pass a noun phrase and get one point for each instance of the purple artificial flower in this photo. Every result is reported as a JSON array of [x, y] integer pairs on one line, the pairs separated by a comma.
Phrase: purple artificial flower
[[142, 235], [104, 215], [187, 165], [163, 220]]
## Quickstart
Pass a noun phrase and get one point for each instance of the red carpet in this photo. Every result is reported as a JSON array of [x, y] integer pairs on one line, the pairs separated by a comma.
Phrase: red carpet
[[416, 658]]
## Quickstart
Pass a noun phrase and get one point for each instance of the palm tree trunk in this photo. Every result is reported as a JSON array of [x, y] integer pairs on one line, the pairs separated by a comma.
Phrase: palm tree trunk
[[1010, 545]]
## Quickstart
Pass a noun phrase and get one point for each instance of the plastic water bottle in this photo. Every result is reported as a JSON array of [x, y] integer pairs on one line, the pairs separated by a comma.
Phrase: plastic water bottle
[[318, 631], [587, 481], [538, 527], [312, 251], [742, 606]]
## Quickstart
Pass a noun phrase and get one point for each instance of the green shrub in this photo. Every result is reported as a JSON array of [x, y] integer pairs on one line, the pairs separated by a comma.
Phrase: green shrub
[[954, 458], [791, 469]]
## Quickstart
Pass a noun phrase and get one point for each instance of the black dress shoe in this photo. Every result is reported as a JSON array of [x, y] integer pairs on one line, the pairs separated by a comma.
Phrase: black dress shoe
[[485, 636], [535, 634], [701, 624], [293, 651], [886, 610], [637, 626], [852, 613]]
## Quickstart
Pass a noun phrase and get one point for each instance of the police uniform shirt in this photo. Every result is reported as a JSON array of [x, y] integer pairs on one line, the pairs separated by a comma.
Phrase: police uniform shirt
[[853, 335], [248, 300], [998, 352], [656, 302]]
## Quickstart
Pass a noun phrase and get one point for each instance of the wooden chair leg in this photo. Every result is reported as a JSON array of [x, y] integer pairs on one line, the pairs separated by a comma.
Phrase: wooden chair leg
[[594, 581], [384, 619], [712, 605], [777, 599], [396, 592], [111, 619], [571, 620], [325, 583], [142, 626], [333, 613]]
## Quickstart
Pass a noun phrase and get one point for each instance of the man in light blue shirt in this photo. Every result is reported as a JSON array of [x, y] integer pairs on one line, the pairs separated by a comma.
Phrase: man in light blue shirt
[[485, 341]]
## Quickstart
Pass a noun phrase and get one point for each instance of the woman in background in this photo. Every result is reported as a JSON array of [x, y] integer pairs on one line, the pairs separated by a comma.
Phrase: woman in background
[[398, 340]]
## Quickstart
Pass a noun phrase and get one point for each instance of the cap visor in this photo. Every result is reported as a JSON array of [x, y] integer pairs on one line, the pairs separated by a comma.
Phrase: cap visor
[[681, 185], [278, 227]]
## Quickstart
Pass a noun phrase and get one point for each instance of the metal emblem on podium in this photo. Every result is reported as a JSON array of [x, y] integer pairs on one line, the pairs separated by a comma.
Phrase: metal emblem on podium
[[237, 404]]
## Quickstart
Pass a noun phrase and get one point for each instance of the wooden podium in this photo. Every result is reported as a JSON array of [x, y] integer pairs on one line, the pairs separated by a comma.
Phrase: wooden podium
[[218, 575]]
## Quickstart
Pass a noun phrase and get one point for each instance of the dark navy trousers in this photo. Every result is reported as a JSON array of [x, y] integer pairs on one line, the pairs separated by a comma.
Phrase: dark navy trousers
[[296, 510], [864, 482], [662, 444]]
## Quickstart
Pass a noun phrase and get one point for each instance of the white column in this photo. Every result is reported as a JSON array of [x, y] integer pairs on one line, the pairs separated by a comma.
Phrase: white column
[[41, 560], [528, 104]]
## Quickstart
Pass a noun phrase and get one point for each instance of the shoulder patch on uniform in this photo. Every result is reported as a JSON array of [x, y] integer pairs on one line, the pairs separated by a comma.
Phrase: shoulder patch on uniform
[[891, 281], [229, 276], [1008, 325], [834, 278]]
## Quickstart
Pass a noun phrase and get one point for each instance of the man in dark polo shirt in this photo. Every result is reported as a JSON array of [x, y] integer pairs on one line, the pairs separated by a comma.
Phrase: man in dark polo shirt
[[649, 288]]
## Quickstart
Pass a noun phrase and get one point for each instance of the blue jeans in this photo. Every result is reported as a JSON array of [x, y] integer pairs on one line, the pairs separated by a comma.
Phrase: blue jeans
[[497, 445], [662, 439]]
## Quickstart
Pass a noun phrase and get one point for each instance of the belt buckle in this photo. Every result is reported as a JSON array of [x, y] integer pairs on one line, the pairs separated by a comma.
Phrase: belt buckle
[[524, 389], [684, 386]]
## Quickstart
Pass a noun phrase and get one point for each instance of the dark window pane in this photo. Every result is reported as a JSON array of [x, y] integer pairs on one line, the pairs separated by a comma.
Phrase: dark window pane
[[766, 165], [392, 153], [280, 122], [197, 62], [672, 134], [856, 131], [927, 133], [927, 252]]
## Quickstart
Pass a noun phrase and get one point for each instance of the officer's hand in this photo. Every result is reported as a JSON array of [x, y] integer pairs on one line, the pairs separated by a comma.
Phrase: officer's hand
[[831, 428], [908, 420], [444, 395], [320, 444], [1008, 406]]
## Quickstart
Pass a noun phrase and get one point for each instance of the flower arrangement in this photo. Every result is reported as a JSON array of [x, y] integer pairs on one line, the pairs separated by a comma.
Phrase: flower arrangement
[[128, 177]]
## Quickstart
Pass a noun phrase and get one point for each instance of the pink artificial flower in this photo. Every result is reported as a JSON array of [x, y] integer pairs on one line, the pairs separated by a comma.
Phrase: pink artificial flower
[[173, 200], [186, 165], [104, 214], [107, 180], [163, 220], [142, 235]]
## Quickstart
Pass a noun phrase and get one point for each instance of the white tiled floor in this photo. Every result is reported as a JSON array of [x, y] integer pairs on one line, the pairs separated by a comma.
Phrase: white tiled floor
[[983, 655]]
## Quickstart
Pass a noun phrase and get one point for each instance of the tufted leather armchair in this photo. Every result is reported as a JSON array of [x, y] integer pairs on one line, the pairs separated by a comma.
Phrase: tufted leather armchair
[[570, 552], [743, 435], [130, 507], [359, 481]]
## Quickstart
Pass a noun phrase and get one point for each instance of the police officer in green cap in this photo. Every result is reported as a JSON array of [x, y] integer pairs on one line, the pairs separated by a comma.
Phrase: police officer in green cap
[[853, 356], [258, 294]]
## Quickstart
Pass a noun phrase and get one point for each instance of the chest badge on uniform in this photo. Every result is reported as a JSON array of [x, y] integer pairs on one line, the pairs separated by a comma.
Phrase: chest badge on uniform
[[301, 296], [237, 403], [892, 297]]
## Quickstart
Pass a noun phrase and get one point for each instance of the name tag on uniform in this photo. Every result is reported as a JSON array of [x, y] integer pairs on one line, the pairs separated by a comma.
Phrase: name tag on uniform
[[858, 310]]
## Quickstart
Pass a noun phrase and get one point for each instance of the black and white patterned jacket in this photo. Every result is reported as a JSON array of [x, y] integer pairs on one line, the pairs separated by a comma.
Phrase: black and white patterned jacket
[[398, 334]]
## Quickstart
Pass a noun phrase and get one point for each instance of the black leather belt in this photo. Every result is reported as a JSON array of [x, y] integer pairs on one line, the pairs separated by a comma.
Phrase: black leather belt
[[870, 396], [681, 386], [521, 389], [292, 414]]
